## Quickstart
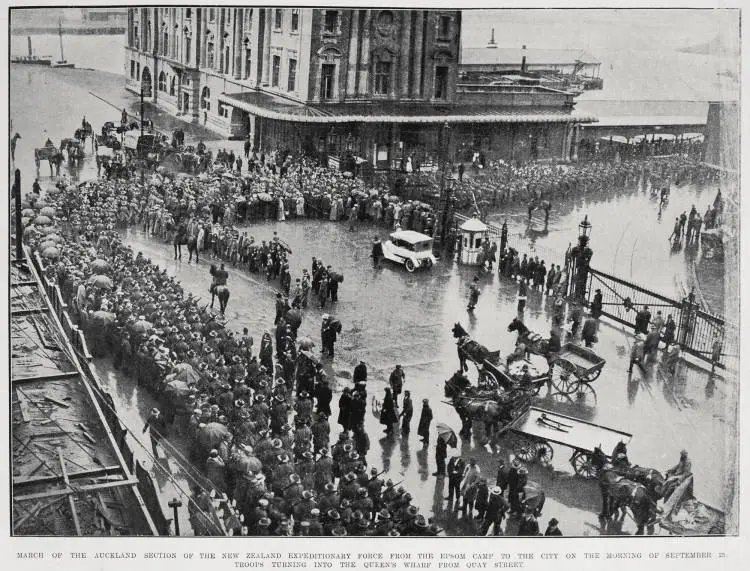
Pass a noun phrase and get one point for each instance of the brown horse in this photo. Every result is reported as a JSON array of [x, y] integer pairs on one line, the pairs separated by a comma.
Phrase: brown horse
[[619, 492]]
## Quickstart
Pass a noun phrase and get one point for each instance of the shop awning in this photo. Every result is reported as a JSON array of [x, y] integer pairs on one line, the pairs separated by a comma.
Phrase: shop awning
[[271, 107]]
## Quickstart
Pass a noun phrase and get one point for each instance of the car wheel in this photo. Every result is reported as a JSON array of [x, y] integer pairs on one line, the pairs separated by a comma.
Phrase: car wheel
[[410, 265]]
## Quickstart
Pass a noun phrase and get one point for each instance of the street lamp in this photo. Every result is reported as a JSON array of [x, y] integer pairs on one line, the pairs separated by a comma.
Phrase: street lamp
[[584, 230], [580, 258]]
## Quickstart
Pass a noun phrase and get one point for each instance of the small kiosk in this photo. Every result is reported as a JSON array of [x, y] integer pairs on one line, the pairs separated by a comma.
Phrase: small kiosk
[[473, 236]]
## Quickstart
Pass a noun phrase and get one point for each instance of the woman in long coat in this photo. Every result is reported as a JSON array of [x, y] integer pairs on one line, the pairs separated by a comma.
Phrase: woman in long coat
[[425, 419], [388, 412]]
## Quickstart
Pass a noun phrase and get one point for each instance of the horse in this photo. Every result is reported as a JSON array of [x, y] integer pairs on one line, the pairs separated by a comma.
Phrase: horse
[[468, 349], [222, 292], [13, 142], [488, 406], [534, 342], [619, 492]]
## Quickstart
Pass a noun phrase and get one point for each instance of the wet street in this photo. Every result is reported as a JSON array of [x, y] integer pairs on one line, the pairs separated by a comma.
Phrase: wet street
[[392, 317]]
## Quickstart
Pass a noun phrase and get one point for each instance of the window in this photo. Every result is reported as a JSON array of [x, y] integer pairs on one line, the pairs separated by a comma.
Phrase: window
[[188, 13], [188, 48], [277, 15], [382, 78], [331, 21], [210, 54], [224, 110], [291, 83], [327, 74], [206, 99], [275, 71], [136, 37], [226, 59], [211, 14], [444, 32], [162, 82], [165, 43], [137, 70], [248, 60], [148, 36], [295, 20], [132, 69], [172, 86], [441, 82]]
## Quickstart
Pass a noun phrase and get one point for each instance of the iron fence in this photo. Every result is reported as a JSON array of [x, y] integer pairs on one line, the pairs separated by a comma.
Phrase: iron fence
[[701, 334]]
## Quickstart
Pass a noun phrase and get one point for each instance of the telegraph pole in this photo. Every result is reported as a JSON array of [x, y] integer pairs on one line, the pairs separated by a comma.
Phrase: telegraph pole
[[445, 191], [19, 224], [139, 140]]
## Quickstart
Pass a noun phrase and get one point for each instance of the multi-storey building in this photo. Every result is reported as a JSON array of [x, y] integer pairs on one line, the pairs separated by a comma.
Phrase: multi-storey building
[[382, 84]]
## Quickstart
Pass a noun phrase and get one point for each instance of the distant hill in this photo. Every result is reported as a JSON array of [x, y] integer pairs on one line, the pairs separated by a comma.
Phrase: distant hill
[[719, 46]]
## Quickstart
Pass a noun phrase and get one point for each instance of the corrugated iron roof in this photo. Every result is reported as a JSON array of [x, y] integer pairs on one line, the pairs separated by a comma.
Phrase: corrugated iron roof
[[647, 121], [272, 107]]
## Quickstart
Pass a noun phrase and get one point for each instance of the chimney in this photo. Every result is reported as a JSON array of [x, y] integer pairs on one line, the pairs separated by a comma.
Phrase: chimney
[[492, 43]]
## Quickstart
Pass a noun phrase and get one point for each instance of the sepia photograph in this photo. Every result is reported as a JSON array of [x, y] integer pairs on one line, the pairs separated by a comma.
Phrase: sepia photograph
[[373, 272]]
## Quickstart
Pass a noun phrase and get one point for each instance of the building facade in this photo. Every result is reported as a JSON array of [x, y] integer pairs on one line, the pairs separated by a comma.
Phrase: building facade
[[381, 85]]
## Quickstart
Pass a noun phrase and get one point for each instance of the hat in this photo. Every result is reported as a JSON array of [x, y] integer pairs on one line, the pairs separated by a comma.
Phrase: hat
[[326, 316], [393, 533], [264, 522], [384, 514], [294, 478], [374, 471], [425, 401], [329, 487], [338, 532], [412, 510], [553, 521], [306, 495], [523, 470], [496, 491], [333, 514]]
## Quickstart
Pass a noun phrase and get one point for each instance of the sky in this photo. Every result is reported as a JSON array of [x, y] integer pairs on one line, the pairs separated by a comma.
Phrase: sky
[[595, 30]]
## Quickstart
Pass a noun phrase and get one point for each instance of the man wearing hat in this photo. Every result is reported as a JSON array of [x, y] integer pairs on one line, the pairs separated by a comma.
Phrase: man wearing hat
[[529, 527], [377, 251], [517, 490], [596, 305], [407, 411], [396, 382], [552, 529], [637, 353], [157, 429], [360, 373], [425, 420], [497, 507]]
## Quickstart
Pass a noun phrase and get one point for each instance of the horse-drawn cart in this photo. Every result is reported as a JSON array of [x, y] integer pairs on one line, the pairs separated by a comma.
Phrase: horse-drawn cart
[[685, 515], [535, 431], [579, 366]]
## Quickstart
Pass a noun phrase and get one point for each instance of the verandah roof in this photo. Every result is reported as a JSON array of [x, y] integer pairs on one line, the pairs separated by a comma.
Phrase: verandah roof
[[271, 107]]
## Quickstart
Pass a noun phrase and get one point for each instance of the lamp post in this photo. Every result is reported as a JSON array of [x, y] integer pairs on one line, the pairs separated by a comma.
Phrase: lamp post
[[580, 258], [175, 504], [445, 190]]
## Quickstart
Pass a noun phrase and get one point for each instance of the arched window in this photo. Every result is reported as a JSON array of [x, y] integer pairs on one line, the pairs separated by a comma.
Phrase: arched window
[[172, 83], [162, 81], [206, 99]]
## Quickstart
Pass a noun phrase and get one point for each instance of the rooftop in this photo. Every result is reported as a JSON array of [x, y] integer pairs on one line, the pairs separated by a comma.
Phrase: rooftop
[[273, 107]]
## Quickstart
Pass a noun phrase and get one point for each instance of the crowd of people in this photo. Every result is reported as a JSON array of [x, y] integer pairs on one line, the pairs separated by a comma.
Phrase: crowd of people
[[260, 429]]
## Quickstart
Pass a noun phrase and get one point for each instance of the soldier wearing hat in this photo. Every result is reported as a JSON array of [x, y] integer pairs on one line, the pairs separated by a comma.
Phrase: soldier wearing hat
[[552, 529], [517, 490], [529, 526], [497, 507], [363, 503]]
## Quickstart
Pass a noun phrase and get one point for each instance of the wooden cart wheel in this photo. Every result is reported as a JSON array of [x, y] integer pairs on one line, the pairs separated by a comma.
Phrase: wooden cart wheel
[[592, 376], [583, 465], [565, 380], [584, 394], [525, 449], [544, 453]]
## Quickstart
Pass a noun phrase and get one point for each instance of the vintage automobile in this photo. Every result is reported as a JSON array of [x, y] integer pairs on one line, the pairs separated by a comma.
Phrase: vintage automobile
[[410, 248]]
